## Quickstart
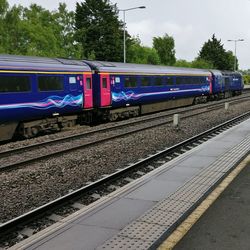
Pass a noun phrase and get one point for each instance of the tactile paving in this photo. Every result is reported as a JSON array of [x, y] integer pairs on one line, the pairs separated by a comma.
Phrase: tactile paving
[[143, 231], [125, 243], [160, 217], [189, 193], [207, 180], [173, 206]]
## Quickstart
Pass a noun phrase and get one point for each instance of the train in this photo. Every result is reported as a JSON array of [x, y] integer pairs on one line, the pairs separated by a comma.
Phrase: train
[[39, 95]]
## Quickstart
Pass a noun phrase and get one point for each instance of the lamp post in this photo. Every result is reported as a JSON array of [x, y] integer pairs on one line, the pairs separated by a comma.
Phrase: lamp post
[[124, 31], [235, 45]]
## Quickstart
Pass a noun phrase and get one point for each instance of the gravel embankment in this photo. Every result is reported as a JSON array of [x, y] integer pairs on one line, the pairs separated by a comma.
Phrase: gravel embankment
[[26, 188]]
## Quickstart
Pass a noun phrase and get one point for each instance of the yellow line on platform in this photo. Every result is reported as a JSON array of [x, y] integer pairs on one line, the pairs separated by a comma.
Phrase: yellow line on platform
[[187, 224]]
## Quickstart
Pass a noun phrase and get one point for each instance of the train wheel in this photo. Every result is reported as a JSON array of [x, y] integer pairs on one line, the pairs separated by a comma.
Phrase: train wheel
[[113, 117], [35, 131]]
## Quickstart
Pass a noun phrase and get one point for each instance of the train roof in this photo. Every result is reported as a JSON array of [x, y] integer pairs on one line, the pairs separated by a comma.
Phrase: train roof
[[230, 73], [31, 63], [216, 72], [115, 67]]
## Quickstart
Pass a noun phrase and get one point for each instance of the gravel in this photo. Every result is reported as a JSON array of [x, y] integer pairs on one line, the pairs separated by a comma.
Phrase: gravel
[[27, 188]]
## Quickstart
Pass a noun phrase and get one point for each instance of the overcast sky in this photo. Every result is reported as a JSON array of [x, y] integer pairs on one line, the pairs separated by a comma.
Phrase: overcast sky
[[191, 22]]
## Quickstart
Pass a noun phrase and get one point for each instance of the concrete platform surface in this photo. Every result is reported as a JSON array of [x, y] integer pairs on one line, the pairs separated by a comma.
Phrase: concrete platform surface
[[141, 214]]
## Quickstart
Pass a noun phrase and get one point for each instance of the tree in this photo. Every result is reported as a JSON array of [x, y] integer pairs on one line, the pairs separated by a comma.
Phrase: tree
[[214, 52], [231, 59], [165, 49], [37, 31], [137, 53], [99, 30], [202, 64], [12, 28], [197, 63], [183, 63], [66, 32], [4, 6], [246, 79]]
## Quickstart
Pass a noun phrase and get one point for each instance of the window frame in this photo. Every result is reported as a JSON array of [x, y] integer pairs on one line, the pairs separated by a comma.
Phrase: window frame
[[149, 79], [179, 78], [49, 75], [136, 82], [173, 80], [104, 80], [155, 78], [87, 86], [18, 75]]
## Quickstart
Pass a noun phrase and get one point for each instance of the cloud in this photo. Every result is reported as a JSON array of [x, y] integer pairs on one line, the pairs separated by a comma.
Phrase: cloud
[[183, 35], [147, 29], [191, 23]]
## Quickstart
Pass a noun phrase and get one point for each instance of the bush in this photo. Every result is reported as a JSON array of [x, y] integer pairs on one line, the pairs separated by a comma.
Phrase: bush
[[246, 79]]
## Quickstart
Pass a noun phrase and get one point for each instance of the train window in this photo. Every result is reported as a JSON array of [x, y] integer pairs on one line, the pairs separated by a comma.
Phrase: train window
[[158, 81], [186, 80], [197, 80], [145, 81], [88, 83], [15, 84], [194, 80], [130, 82], [202, 80], [72, 80], [50, 83], [178, 80], [220, 81], [170, 80], [191, 80], [104, 83], [227, 81]]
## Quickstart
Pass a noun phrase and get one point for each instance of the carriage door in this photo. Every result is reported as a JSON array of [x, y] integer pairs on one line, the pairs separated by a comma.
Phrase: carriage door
[[105, 90], [87, 91]]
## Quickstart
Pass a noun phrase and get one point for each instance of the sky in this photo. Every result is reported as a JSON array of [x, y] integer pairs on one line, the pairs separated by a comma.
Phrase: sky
[[191, 23]]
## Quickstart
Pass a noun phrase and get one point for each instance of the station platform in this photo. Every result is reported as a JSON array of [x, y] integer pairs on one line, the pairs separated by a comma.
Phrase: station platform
[[142, 214]]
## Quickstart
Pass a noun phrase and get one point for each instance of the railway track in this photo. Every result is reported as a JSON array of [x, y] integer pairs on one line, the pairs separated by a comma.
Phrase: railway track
[[27, 224], [18, 157]]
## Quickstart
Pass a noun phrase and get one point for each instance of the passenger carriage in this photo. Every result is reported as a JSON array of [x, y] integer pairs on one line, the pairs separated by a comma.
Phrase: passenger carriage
[[131, 89], [39, 94]]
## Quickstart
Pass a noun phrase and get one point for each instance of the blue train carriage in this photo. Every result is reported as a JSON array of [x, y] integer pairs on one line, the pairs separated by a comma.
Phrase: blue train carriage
[[233, 83], [41, 94], [134, 89]]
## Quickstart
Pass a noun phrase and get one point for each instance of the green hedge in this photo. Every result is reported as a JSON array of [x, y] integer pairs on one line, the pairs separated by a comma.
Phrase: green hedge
[[246, 79]]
